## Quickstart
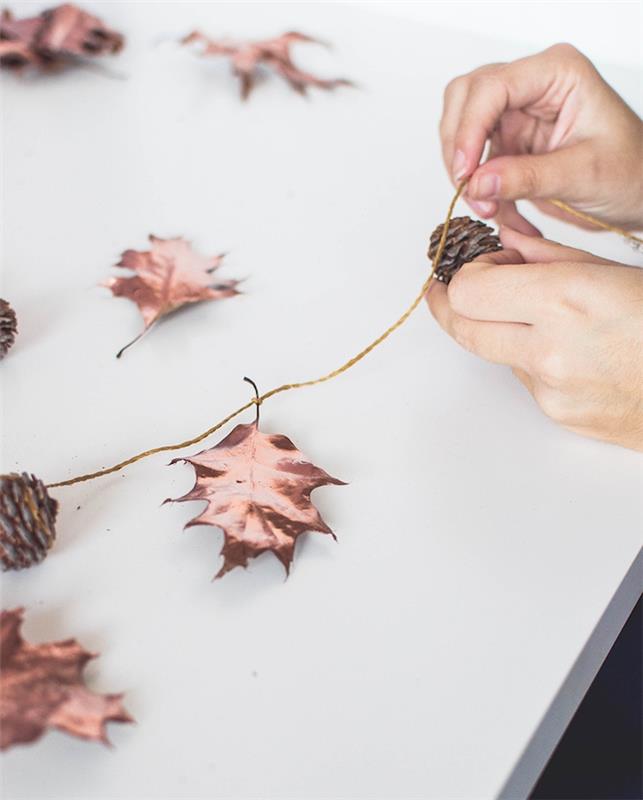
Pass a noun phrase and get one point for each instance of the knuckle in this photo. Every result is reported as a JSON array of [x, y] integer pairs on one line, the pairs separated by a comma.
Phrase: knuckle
[[453, 87], [565, 49], [558, 406], [552, 367], [489, 70], [553, 405], [488, 83], [530, 180], [565, 52], [571, 288]]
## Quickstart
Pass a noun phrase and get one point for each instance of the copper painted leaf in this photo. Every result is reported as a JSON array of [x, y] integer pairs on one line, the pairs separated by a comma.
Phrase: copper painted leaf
[[247, 57], [41, 687], [257, 487], [167, 276], [57, 36]]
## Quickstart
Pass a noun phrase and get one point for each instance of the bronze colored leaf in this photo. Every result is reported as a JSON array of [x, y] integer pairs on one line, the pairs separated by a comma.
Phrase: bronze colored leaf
[[169, 275], [247, 57], [55, 37], [41, 687], [257, 487]]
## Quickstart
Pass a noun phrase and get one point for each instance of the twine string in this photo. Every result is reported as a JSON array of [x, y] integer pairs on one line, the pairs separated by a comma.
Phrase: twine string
[[286, 387], [597, 222]]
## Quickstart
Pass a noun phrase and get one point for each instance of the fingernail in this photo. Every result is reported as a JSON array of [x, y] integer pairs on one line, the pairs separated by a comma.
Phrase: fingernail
[[459, 165], [487, 185], [482, 208]]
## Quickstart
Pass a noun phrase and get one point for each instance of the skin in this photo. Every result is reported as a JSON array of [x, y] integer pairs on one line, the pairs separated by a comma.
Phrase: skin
[[569, 324], [555, 129]]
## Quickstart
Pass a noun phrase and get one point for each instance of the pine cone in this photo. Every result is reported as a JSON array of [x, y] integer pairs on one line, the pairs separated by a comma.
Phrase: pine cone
[[466, 239], [8, 327], [27, 517]]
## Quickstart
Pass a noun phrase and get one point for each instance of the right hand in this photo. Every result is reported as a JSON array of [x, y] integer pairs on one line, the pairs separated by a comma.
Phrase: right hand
[[557, 130]]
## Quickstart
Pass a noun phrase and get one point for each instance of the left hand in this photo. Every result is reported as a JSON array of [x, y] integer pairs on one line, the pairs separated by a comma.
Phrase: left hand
[[569, 324]]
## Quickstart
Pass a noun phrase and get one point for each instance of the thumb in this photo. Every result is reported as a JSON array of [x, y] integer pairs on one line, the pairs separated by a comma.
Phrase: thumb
[[531, 176], [534, 249]]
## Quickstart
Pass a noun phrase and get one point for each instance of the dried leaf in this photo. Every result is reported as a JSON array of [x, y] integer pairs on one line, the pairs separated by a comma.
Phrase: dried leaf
[[41, 687], [247, 57], [55, 37], [169, 275], [257, 487]]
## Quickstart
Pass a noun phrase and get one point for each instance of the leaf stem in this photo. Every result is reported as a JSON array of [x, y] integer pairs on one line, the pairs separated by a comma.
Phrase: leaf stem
[[136, 338], [257, 398]]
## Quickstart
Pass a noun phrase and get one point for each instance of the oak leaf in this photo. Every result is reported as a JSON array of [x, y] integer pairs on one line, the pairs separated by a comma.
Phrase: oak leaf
[[247, 58], [169, 275], [257, 487], [41, 687], [53, 38]]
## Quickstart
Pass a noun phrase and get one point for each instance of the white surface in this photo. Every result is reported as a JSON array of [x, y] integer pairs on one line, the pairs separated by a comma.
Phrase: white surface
[[606, 31], [478, 546]]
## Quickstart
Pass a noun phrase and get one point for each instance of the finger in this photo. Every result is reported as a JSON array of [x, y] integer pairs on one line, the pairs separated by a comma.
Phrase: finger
[[531, 176], [498, 342], [435, 298], [518, 133], [492, 290], [483, 209], [455, 95], [508, 215], [493, 92], [544, 251], [503, 211], [504, 256]]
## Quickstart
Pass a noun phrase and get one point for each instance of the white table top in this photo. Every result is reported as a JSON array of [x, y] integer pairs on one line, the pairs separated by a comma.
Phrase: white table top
[[478, 545]]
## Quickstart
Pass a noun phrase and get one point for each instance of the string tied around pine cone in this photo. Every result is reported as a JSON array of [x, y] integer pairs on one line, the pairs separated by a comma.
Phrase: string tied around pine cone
[[466, 239], [27, 520], [8, 327]]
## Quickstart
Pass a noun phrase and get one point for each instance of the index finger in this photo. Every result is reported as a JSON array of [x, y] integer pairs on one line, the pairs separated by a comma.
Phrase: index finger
[[496, 288], [492, 92]]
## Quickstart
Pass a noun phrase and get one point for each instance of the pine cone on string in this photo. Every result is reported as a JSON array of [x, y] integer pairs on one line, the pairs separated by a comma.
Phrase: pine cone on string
[[466, 239], [27, 520], [8, 327]]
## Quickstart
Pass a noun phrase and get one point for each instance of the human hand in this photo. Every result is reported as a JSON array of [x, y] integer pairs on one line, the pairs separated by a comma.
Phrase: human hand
[[556, 130], [569, 324]]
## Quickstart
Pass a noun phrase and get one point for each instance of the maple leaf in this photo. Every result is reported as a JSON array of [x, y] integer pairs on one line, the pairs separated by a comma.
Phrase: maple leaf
[[247, 57], [257, 487], [41, 687], [57, 36], [169, 275]]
